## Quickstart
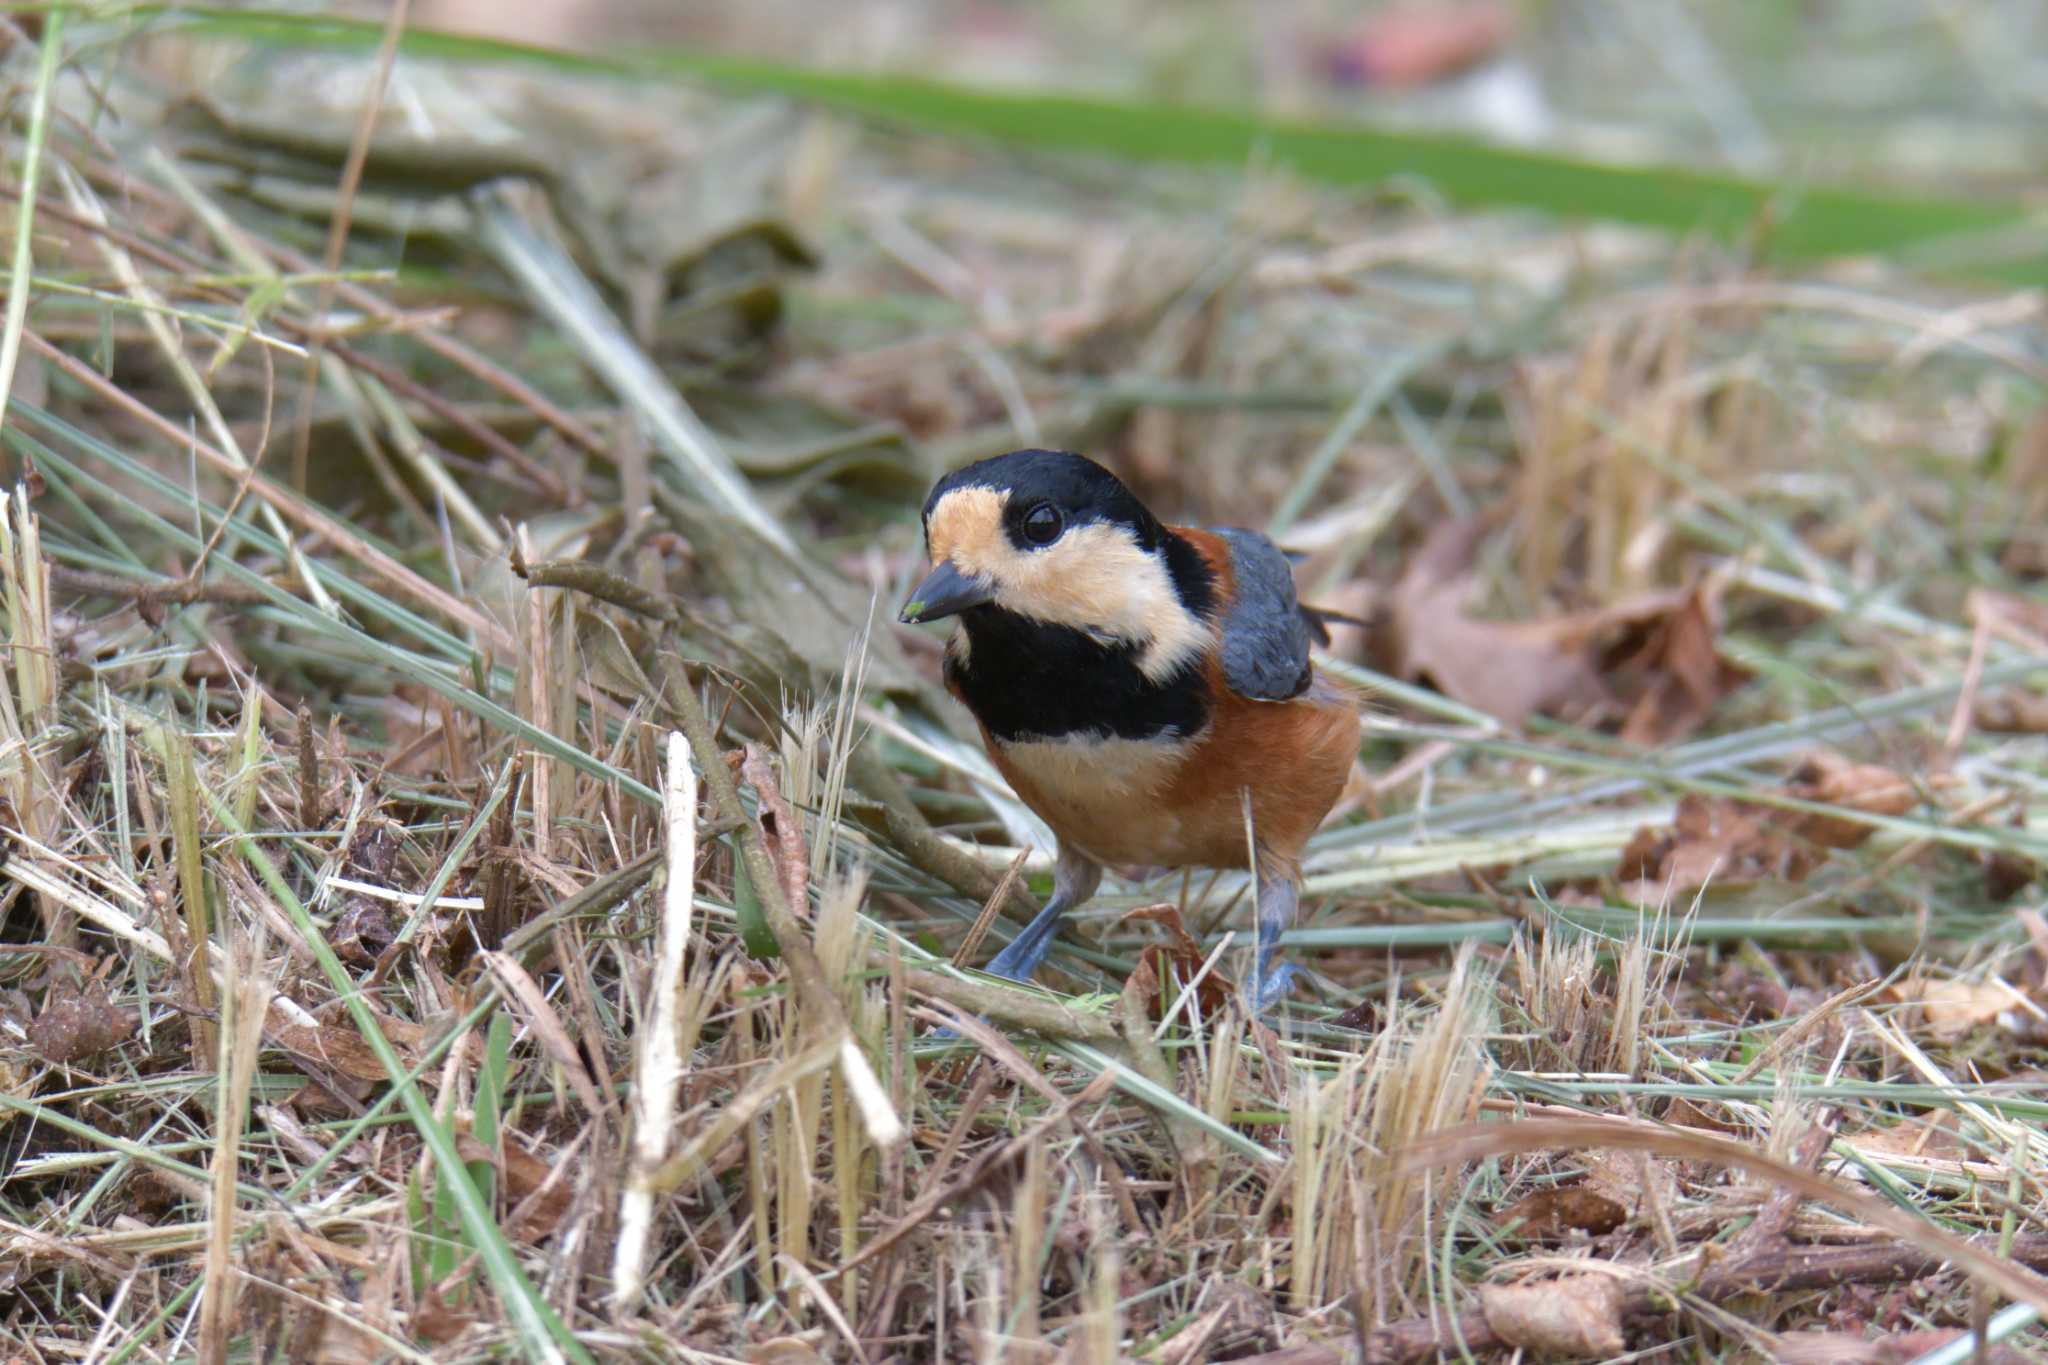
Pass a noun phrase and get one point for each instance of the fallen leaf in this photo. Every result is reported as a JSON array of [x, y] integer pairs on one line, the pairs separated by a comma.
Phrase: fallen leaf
[[1918, 1137], [435, 1322], [525, 1176], [78, 1022], [2008, 874], [1554, 1215], [1730, 842], [1953, 1008], [374, 853], [1727, 843], [1175, 962], [1832, 780], [1676, 673], [363, 931], [1651, 660], [1577, 1315], [333, 1338], [333, 1047], [2016, 712], [1508, 669], [1365, 1016]]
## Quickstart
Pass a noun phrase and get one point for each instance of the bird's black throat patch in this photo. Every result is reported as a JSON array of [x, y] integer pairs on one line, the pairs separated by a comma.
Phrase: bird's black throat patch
[[1026, 679]]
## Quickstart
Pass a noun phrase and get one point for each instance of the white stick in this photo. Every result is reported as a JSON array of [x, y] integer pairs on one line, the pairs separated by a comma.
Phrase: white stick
[[658, 1062]]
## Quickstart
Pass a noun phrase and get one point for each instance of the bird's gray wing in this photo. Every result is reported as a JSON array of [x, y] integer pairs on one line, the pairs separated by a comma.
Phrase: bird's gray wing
[[1265, 634]]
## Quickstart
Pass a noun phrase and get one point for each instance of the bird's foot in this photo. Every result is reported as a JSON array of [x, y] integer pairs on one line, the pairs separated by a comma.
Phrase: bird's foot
[[1274, 985]]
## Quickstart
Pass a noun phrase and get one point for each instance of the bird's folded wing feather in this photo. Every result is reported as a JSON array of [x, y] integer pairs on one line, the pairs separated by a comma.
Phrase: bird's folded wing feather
[[1264, 632]]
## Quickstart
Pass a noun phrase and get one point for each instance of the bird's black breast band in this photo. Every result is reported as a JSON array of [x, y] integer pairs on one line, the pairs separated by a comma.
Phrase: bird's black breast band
[[1025, 679]]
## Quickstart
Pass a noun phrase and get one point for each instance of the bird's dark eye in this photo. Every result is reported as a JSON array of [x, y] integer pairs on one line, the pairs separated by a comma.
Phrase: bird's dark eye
[[1043, 524]]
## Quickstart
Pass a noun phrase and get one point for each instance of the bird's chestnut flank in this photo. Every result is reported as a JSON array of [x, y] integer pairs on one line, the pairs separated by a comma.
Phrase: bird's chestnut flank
[[1141, 686]]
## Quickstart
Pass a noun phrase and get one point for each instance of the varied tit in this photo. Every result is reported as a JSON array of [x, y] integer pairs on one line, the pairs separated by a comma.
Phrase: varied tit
[[1145, 688]]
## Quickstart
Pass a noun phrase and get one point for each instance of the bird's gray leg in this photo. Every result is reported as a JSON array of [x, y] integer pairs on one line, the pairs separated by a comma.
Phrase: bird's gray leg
[[1074, 879], [1278, 896]]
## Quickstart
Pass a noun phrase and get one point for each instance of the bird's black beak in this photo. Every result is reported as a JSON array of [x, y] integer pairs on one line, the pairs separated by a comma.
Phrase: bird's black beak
[[945, 592]]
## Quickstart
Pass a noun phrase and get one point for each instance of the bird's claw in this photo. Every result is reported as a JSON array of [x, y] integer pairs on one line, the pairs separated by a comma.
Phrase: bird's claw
[[1273, 986]]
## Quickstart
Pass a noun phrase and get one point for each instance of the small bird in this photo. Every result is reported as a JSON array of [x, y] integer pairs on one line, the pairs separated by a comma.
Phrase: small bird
[[1145, 688]]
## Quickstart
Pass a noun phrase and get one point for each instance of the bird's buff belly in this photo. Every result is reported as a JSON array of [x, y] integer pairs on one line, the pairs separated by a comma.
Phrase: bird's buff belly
[[1111, 799]]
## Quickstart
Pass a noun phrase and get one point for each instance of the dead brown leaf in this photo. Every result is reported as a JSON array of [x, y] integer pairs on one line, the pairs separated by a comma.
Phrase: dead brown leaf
[[1934, 1136], [1556, 1214], [77, 1022], [436, 1322], [1651, 660], [2017, 712], [1712, 839], [335, 1048], [363, 931], [525, 1175], [1508, 669], [1954, 1008], [1175, 961], [1676, 673], [1831, 780], [1577, 1316], [1730, 842]]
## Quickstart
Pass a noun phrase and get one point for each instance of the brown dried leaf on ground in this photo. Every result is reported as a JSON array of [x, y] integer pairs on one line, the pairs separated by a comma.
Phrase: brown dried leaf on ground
[[1508, 669], [1560, 1213], [1952, 1008], [2015, 712], [333, 1047], [1651, 660], [1713, 840], [364, 931], [1730, 842], [438, 1322], [1175, 963], [1831, 780], [524, 1174], [1676, 674], [1577, 1317], [77, 1022]]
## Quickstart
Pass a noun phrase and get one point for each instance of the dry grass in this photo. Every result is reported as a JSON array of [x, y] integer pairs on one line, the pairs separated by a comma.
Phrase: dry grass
[[486, 889]]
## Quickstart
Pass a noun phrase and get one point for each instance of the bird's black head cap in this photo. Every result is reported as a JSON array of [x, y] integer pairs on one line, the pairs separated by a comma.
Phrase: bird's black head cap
[[1080, 489]]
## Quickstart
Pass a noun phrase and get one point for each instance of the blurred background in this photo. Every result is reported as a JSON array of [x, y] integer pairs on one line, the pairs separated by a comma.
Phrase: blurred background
[[1898, 91]]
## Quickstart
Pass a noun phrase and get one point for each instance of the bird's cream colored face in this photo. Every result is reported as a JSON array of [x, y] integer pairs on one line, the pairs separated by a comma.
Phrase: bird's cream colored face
[[1094, 578]]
